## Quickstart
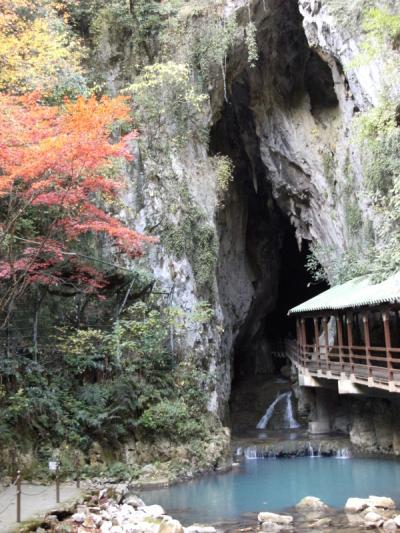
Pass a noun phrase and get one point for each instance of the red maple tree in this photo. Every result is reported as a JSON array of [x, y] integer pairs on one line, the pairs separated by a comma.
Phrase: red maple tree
[[57, 184]]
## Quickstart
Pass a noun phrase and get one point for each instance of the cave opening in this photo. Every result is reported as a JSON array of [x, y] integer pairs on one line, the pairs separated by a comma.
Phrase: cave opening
[[262, 269], [263, 246]]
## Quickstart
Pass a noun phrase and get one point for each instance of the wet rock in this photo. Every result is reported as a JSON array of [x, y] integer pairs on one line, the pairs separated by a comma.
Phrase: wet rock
[[310, 503], [275, 518], [356, 505], [170, 526]]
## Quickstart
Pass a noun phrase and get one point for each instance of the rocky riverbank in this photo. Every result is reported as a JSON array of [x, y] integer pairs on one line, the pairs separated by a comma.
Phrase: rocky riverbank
[[312, 514], [114, 509]]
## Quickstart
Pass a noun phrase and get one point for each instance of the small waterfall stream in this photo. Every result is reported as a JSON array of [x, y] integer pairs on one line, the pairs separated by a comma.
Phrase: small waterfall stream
[[289, 420]]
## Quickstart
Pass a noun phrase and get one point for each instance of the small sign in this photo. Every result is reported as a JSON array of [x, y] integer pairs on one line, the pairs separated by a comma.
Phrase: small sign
[[53, 465]]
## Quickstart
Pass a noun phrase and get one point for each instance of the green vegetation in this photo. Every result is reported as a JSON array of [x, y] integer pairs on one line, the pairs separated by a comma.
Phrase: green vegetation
[[193, 237], [107, 386], [168, 105], [224, 168]]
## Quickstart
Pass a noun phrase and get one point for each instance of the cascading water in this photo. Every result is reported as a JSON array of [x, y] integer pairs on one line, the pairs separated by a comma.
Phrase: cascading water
[[289, 420], [343, 453]]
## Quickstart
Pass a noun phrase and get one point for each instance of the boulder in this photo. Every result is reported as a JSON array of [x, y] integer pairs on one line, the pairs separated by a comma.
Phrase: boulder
[[121, 491], [381, 502], [275, 518], [65, 527], [170, 526], [106, 526], [321, 523], [134, 501], [397, 520], [79, 518], [155, 511], [271, 527], [389, 525], [372, 519], [310, 503], [356, 505]]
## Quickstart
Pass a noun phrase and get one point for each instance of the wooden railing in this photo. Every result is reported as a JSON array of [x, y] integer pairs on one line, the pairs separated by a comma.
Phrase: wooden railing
[[373, 366]]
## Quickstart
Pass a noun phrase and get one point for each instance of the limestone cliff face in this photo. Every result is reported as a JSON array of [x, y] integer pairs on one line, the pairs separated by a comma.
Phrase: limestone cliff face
[[287, 126]]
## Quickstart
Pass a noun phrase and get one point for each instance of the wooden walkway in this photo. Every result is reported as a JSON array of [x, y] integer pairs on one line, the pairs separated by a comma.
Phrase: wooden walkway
[[375, 367]]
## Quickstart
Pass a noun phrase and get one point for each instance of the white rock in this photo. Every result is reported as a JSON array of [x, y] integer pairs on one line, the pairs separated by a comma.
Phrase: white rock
[[116, 529], [356, 505], [270, 527], [310, 502], [155, 511], [106, 526], [127, 509], [322, 523], [138, 516], [121, 491], [373, 520], [397, 520], [382, 502], [134, 501], [79, 518], [276, 518], [97, 519], [197, 528], [390, 525], [170, 526]]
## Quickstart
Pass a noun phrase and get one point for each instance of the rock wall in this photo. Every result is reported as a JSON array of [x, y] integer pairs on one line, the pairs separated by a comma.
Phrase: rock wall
[[371, 423], [287, 126]]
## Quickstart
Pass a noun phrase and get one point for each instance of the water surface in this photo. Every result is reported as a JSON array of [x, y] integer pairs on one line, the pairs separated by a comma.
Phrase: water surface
[[276, 484]]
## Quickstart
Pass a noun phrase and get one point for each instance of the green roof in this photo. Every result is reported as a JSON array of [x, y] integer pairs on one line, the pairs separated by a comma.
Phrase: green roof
[[357, 292]]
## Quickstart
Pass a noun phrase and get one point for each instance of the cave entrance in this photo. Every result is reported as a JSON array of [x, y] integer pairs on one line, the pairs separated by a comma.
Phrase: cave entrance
[[262, 257]]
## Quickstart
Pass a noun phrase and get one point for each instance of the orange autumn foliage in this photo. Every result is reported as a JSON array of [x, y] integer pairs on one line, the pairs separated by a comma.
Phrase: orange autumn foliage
[[55, 170]]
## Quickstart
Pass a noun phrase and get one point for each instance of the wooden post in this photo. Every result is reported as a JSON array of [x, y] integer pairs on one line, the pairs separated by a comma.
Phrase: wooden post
[[316, 342], [388, 344], [78, 471], [18, 496], [58, 484], [316, 336], [340, 340], [303, 339], [349, 322], [298, 331], [367, 342], [326, 341]]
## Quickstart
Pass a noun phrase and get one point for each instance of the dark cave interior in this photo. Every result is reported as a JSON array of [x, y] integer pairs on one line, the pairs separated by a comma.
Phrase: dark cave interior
[[258, 242]]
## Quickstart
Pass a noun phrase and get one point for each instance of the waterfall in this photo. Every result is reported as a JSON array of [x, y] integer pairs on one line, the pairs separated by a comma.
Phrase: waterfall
[[251, 453], [313, 453], [343, 453], [289, 420]]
